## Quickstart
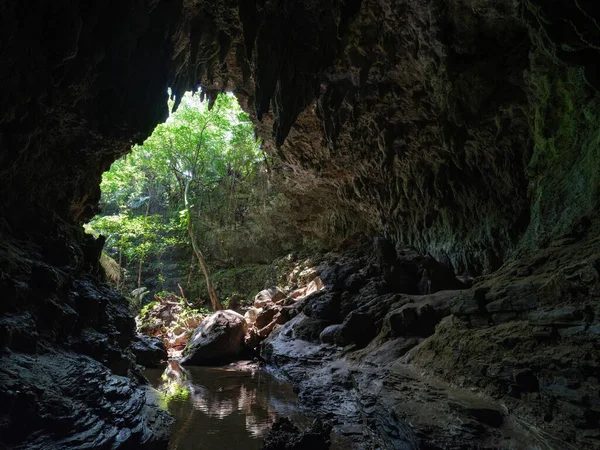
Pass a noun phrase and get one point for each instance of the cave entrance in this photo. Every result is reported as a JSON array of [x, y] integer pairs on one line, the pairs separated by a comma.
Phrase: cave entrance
[[181, 206]]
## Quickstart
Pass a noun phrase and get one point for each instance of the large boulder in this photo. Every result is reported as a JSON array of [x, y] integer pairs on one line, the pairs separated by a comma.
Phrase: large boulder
[[149, 351], [219, 338]]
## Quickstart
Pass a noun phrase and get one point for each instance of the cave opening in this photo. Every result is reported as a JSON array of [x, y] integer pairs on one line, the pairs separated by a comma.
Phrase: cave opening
[[180, 207], [465, 132]]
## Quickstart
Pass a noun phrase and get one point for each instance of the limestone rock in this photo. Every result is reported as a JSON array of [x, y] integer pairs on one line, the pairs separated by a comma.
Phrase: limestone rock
[[330, 333], [80, 401], [266, 316]]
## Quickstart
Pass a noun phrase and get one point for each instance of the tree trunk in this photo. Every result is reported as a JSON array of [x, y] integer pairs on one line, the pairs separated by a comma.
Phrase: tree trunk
[[189, 280], [214, 299], [141, 260], [140, 274]]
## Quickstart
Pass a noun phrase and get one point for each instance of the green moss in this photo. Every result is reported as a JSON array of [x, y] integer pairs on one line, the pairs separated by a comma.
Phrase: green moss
[[563, 171]]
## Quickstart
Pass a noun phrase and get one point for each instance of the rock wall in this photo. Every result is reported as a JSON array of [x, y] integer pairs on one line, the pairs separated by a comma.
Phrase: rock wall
[[397, 353], [468, 129]]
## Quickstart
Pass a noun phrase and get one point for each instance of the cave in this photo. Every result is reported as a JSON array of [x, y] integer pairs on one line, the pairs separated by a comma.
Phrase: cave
[[460, 138]]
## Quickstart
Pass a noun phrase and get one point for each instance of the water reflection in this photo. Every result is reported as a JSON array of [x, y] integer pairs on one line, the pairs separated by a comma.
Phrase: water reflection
[[223, 407]]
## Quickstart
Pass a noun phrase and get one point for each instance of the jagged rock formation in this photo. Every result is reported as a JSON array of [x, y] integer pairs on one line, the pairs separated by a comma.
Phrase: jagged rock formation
[[508, 363], [468, 129]]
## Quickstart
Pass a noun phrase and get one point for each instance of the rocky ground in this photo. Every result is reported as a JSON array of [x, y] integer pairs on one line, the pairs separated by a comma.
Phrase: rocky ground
[[397, 353], [226, 335]]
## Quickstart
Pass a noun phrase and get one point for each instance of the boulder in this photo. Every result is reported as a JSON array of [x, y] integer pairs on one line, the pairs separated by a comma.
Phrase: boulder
[[414, 320], [309, 329], [325, 306], [267, 296], [219, 338], [178, 339], [314, 286], [149, 351]]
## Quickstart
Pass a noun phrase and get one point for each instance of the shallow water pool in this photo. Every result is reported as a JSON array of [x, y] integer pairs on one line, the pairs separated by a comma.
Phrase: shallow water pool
[[228, 407]]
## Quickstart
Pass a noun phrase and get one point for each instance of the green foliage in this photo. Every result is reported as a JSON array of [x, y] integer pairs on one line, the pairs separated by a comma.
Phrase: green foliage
[[144, 311], [111, 268], [173, 389], [137, 237], [210, 157]]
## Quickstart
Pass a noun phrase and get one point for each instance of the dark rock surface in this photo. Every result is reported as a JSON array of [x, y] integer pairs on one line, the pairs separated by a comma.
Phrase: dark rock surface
[[492, 366], [68, 378], [149, 351], [78, 403], [284, 435], [219, 338]]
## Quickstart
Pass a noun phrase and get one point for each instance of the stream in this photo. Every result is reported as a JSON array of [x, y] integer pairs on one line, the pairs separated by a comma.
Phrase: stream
[[225, 407]]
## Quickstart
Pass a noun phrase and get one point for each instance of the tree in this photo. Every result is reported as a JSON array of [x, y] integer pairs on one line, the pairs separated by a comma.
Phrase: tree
[[184, 167], [135, 237]]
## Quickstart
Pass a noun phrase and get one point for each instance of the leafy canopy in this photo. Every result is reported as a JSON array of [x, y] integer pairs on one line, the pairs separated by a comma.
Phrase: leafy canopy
[[197, 150]]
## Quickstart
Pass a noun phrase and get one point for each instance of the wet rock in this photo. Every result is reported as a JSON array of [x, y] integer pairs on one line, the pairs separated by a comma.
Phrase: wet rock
[[219, 338], [78, 403], [309, 329], [487, 416], [284, 435], [325, 307], [149, 351], [18, 332], [335, 275]]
